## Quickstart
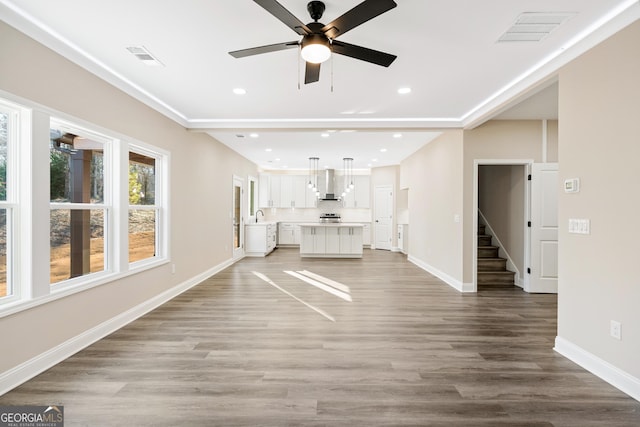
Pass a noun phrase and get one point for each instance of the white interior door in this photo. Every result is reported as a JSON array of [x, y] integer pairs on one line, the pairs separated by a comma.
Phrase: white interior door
[[238, 217], [544, 228], [383, 213]]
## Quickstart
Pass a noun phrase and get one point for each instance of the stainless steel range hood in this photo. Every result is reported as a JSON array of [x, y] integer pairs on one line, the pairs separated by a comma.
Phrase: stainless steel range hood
[[329, 186]]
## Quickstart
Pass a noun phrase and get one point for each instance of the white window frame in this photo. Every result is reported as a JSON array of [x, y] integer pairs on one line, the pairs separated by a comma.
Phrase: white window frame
[[107, 205], [30, 204], [160, 206], [15, 115]]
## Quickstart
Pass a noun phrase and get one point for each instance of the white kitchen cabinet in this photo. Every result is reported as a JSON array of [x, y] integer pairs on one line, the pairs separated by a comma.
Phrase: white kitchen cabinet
[[350, 240], [285, 191], [260, 238], [312, 240], [360, 194], [269, 191], [288, 233], [331, 240], [293, 191], [366, 234]]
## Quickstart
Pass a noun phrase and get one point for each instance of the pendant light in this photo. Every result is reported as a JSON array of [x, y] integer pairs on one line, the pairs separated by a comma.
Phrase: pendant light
[[348, 175]]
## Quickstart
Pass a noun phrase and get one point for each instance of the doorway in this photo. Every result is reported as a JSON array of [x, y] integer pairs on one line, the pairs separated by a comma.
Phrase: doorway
[[383, 213], [528, 240], [238, 217], [501, 202]]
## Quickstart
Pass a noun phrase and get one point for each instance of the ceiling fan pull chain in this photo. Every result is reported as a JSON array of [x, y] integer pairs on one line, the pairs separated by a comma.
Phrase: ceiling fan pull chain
[[332, 72], [299, 56]]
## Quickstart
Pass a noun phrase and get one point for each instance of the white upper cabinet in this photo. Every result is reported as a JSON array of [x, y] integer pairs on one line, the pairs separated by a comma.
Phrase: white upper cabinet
[[285, 191], [269, 191], [359, 196]]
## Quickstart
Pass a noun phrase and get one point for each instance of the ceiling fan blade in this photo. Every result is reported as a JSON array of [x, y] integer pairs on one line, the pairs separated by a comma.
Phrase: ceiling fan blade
[[360, 14], [362, 53], [311, 73], [286, 17], [263, 49]]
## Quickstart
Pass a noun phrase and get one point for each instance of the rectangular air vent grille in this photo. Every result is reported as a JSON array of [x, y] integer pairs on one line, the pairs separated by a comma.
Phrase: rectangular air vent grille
[[145, 56], [534, 26]]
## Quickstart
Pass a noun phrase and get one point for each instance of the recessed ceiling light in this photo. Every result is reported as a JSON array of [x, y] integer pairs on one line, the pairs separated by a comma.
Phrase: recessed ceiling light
[[254, 135], [397, 135], [268, 150], [324, 135], [404, 90], [278, 159], [374, 160], [369, 165], [239, 91], [383, 150]]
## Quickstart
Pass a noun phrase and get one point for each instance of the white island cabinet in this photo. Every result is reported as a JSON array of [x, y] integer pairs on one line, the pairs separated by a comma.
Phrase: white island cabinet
[[331, 240], [260, 238]]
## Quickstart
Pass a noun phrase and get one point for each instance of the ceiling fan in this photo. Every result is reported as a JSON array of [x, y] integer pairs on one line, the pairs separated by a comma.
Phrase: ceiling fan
[[319, 40]]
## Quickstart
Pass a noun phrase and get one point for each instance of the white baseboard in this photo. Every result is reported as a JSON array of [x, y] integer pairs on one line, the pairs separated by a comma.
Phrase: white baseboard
[[29, 369], [600, 368], [454, 283]]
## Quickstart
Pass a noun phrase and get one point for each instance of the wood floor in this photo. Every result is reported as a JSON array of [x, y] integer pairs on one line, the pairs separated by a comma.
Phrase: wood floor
[[408, 350]]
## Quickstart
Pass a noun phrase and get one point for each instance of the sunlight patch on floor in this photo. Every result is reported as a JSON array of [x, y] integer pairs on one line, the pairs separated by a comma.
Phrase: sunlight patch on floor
[[284, 291], [329, 289]]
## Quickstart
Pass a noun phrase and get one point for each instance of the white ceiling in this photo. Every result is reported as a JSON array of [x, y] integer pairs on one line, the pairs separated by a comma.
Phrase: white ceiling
[[447, 54]]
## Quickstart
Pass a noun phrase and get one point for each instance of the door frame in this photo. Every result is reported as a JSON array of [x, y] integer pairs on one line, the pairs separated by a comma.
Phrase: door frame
[[527, 214], [237, 253], [390, 188]]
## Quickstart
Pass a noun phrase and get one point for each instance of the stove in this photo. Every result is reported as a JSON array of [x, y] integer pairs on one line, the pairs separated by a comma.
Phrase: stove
[[329, 217]]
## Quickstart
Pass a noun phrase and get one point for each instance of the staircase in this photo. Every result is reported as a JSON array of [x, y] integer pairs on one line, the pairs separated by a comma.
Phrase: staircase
[[492, 270]]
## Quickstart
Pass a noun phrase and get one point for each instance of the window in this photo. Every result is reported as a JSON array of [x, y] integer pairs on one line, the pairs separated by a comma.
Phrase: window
[[252, 196], [7, 195], [79, 215], [144, 210], [107, 215]]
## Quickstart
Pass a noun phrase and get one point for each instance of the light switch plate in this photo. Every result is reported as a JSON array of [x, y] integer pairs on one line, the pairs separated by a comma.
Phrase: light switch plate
[[579, 226], [572, 185]]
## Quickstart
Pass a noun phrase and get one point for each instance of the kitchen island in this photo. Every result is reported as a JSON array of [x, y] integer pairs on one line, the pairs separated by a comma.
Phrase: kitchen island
[[331, 240]]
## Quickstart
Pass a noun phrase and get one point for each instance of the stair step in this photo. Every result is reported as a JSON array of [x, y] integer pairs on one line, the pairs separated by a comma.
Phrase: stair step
[[492, 264], [484, 240], [495, 277], [488, 252], [481, 228]]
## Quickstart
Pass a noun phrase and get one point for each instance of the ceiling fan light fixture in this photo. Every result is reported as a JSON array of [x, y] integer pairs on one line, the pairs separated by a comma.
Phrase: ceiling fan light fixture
[[315, 48]]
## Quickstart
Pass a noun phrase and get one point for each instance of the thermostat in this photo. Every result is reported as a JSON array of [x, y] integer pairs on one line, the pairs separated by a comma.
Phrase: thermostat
[[572, 185]]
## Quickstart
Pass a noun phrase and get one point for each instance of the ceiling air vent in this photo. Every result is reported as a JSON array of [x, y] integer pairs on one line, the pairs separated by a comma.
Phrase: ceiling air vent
[[145, 56], [534, 26]]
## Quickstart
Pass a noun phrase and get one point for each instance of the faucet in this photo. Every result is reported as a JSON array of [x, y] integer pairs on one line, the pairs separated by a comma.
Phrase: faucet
[[259, 210]]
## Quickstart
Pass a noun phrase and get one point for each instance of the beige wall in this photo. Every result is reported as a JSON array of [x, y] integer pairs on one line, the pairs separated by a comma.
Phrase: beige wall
[[600, 144], [201, 182], [552, 141], [501, 199], [433, 176]]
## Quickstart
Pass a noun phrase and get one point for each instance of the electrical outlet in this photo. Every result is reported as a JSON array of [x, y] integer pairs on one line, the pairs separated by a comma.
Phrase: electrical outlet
[[616, 330], [173, 269]]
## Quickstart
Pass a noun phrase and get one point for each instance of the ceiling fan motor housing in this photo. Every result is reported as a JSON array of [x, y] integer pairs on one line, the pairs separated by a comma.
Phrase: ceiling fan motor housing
[[316, 9]]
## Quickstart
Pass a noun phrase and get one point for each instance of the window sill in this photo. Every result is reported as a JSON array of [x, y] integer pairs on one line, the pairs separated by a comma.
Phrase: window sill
[[78, 285]]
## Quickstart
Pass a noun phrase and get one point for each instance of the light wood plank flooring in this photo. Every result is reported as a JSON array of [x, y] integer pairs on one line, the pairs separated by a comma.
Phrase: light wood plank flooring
[[408, 350]]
